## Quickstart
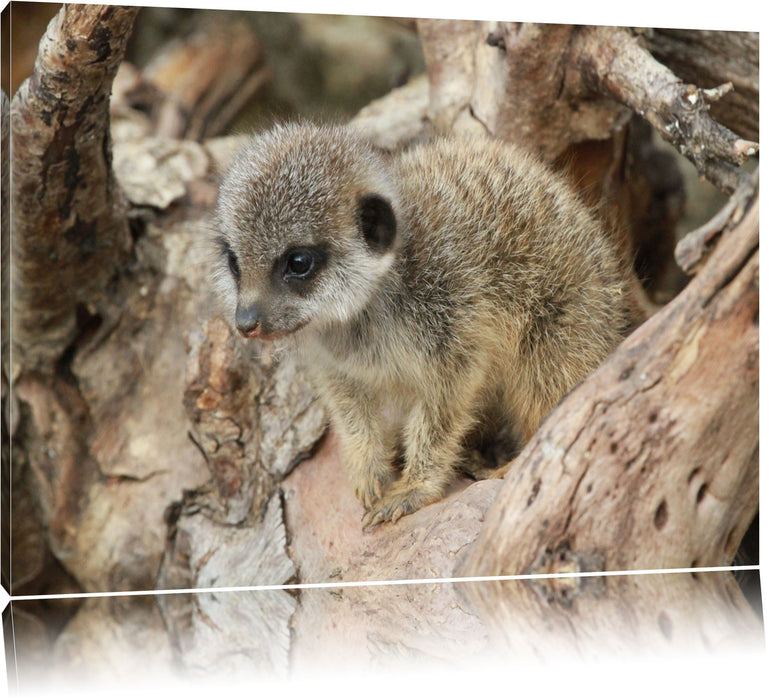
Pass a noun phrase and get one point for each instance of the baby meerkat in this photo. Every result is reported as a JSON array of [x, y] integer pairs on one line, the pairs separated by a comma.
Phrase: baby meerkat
[[434, 293]]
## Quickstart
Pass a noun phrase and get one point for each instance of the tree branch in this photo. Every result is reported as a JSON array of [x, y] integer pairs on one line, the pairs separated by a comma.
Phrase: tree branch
[[612, 60], [713, 57], [511, 81], [694, 246], [70, 229]]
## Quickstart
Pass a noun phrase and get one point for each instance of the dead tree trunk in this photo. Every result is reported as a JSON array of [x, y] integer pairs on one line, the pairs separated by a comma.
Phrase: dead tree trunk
[[88, 329], [71, 232], [675, 483]]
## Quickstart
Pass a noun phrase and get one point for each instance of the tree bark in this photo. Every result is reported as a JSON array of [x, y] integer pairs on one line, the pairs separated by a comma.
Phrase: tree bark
[[5, 376], [570, 93], [71, 233], [99, 454], [647, 464], [615, 63], [709, 58]]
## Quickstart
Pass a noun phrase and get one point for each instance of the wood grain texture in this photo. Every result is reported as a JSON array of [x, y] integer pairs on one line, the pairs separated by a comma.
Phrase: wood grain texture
[[71, 234], [653, 461]]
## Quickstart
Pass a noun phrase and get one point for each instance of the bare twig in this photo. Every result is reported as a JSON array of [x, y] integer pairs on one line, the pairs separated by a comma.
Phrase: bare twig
[[694, 246]]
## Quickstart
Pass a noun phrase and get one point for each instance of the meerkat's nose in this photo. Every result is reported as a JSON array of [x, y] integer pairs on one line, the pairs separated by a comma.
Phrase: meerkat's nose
[[248, 320]]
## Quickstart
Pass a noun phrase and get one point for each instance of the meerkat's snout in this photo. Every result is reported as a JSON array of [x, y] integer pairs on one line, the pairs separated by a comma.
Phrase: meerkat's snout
[[247, 320]]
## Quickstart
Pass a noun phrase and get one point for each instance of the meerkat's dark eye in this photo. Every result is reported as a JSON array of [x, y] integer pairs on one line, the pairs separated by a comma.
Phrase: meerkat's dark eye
[[297, 267], [300, 264], [229, 254], [231, 260]]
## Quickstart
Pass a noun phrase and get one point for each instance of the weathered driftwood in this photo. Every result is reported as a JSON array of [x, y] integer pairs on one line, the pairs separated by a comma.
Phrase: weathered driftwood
[[99, 452], [646, 464], [253, 418], [110, 640], [71, 232], [618, 617], [708, 58], [264, 635], [195, 85], [695, 245], [398, 118], [5, 388], [5, 234], [556, 85], [614, 62], [512, 81], [328, 543], [570, 92], [163, 451]]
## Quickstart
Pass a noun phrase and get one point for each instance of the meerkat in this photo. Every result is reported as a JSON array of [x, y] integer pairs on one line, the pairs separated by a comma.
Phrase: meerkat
[[432, 293]]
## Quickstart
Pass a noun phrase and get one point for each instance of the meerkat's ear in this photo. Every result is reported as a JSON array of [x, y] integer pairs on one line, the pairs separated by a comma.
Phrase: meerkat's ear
[[377, 222]]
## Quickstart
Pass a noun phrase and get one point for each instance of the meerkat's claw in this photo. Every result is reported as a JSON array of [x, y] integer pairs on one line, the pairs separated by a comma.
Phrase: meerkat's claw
[[370, 520], [394, 505], [370, 490]]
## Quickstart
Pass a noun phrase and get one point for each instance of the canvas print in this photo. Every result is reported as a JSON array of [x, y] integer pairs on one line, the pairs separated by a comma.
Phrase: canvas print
[[397, 339]]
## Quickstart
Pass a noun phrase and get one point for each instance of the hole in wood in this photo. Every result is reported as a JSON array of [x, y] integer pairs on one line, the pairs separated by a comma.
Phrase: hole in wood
[[701, 493], [537, 485], [661, 515], [613, 447], [693, 474]]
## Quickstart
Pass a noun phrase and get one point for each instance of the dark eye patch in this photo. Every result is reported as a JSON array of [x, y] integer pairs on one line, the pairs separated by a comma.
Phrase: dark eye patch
[[300, 264], [231, 260], [230, 255]]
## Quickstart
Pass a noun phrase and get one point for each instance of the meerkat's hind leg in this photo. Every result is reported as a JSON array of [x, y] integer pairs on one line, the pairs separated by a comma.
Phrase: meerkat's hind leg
[[490, 448]]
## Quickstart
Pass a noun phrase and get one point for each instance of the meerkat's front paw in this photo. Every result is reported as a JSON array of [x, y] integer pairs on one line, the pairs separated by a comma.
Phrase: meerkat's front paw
[[401, 499], [369, 484]]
